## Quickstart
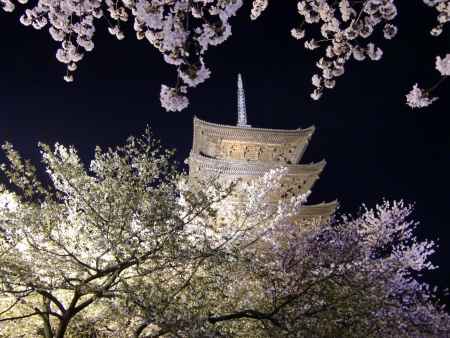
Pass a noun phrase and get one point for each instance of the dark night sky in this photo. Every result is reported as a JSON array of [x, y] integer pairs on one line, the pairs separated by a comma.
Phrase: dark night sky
[[375, 146]]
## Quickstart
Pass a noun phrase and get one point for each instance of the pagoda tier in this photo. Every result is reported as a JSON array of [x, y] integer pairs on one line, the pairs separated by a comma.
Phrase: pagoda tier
[[310, 215], [322, 211], [250, 144], [299, 178]]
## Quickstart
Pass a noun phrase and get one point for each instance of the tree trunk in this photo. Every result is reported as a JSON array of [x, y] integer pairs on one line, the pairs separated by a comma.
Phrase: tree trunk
[[63, 324], [48, 332]]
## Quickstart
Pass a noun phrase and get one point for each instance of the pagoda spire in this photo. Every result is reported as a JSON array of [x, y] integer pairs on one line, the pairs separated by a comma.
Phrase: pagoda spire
[[242, 109]]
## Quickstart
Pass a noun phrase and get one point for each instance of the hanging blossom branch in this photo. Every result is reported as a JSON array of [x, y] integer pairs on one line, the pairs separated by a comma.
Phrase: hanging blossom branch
[[182, 30], [345, 27], [417, 97]]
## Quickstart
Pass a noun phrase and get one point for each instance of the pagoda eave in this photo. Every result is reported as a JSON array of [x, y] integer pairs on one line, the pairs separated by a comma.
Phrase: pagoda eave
[[224, 129], [211, 166], [321, 210]]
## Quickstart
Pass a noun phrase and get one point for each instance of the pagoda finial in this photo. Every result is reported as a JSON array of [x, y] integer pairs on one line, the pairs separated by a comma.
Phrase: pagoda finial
[[242, 110]]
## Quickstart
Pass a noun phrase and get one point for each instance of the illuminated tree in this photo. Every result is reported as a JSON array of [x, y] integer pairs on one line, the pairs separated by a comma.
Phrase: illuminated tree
[[67, 249], [132, 248]]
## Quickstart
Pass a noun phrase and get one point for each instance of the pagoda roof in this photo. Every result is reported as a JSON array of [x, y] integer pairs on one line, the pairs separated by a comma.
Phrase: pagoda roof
[[321, 210], [240, 168], [207, 132], [262, 135]]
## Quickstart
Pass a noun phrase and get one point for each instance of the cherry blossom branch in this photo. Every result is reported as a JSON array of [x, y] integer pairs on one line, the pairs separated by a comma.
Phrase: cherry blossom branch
[[420, 98]]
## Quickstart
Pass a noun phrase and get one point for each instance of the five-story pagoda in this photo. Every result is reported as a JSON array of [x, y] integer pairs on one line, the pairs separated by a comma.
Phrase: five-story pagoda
[[246, 153]]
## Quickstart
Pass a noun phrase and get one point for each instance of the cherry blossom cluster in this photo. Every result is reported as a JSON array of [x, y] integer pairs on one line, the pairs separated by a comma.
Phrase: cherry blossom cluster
[[71, 23], [345, 27], [259, 6], [418, 97], [443, 9], [173, 99], [182, 30]]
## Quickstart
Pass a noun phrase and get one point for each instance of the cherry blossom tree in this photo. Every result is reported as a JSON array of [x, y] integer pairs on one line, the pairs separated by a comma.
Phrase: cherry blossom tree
[[184, 30], [67, 248], [130, 247]]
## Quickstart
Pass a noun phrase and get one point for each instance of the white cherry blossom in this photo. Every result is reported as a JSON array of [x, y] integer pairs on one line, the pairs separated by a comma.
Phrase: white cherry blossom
[[419, 98], [173, 99], [443, 65], [259, 6]]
